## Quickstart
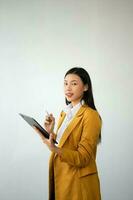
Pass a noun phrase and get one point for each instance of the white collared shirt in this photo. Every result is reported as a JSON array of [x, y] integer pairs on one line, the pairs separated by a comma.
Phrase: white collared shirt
[[70, 113]]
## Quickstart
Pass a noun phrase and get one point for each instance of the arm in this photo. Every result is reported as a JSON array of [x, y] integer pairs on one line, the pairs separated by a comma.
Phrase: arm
[[87, 144]]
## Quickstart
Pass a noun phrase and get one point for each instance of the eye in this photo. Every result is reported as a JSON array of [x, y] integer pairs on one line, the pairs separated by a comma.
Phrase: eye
[[74, 83], [65, 83]]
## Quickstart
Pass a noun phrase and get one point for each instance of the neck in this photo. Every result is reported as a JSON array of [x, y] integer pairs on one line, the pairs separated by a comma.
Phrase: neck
[[75, 103]]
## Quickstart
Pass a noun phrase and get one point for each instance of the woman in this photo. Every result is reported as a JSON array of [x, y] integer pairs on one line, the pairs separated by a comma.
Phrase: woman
[[72, 169]]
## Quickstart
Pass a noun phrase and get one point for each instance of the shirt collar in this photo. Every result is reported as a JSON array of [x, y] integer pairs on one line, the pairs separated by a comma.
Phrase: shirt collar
[[70, 110]]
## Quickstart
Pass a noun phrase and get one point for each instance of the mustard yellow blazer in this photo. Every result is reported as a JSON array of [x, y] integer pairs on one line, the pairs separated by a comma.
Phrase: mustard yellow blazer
[[73, 175]]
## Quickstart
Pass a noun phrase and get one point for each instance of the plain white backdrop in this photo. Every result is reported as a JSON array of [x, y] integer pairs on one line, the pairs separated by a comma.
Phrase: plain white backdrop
[[39, 41]]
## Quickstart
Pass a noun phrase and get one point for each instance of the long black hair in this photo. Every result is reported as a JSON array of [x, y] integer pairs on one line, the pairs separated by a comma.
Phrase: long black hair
[[88, 95]]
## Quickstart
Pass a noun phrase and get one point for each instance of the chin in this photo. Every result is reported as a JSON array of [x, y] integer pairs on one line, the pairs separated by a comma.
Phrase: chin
[[69, 99]]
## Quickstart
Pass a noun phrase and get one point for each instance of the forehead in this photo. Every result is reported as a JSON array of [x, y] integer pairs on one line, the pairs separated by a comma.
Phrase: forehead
[[72, 77]]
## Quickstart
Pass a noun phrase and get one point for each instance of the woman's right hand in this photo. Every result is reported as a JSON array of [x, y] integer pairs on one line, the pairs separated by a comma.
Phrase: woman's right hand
[[49, 123]]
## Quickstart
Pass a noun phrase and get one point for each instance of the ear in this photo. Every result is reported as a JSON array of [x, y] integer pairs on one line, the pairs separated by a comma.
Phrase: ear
[[85, 88]]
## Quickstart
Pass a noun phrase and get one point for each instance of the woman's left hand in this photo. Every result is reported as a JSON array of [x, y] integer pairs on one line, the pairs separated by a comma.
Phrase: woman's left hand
[[49, 142]]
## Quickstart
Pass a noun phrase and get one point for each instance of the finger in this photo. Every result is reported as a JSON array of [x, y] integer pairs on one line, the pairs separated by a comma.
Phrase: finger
[[51, 116], [51, 138], [47, 121], [35, 128], [47, 118], [43, 138]]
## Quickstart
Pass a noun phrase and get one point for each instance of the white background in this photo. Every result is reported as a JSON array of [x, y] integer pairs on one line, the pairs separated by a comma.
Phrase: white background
[[39, 41]]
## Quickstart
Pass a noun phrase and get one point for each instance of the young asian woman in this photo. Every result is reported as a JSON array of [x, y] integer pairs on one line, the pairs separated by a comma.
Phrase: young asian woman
[[73, 173]]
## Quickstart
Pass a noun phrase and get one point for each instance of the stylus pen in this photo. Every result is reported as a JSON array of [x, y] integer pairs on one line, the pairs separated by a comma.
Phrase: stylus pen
[[47, 113]]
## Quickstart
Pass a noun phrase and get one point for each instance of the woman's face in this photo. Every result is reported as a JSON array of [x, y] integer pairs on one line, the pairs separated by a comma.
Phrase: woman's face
[[74, 88]]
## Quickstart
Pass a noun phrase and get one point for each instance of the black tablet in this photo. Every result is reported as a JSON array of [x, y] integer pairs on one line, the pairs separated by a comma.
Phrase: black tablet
[[32, 122]]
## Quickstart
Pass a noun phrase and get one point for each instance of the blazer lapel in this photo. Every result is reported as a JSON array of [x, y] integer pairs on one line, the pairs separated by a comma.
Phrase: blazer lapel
[[72, 125], [61, 118]]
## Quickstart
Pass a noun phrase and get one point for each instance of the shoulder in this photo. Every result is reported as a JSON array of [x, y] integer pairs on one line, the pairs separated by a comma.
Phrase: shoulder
[[90, 111], [91, 114]]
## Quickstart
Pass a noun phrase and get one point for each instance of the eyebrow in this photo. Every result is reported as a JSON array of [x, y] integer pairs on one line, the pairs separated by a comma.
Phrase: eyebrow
[[70, 81]]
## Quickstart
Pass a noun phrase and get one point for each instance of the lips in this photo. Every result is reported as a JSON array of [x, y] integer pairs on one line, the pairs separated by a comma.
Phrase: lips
[[69, 95]]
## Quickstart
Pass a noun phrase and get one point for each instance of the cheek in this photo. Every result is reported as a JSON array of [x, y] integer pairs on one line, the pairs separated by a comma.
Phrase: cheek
[[79, 91]]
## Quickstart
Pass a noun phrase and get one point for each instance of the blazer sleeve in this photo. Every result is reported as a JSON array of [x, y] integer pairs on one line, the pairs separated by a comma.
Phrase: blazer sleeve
[[87, 145]]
